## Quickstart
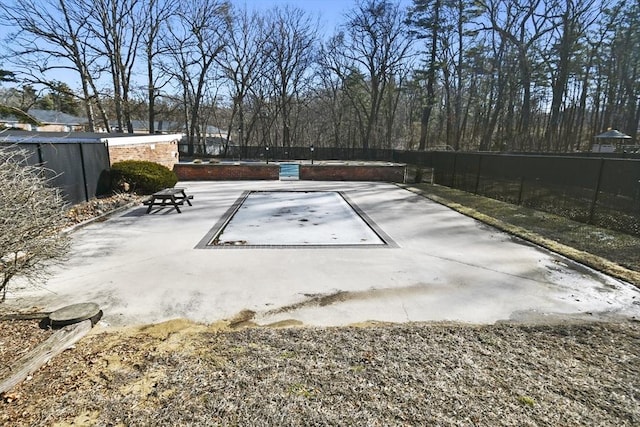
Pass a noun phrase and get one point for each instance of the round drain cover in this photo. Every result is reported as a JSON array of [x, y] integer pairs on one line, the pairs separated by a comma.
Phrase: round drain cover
[[74, 313]]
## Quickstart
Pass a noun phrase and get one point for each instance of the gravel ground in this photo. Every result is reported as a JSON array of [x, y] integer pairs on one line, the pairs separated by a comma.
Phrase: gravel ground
[[179, 373], [95, 208]]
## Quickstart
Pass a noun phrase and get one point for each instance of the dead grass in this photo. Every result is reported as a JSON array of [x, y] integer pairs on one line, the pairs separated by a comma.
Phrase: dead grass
[[413, 374]]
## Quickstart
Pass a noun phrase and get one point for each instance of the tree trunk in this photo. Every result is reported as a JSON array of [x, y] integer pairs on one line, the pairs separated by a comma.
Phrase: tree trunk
[[431, 77]]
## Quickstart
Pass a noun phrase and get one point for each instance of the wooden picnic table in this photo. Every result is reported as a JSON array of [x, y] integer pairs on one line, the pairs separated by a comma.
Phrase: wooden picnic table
[[169, 197]]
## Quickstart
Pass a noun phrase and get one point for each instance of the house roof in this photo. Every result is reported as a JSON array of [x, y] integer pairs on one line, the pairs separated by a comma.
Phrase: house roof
[[48, 117], [168, 126], [613, 134], [16, 137], [56, 117], [159, 126]]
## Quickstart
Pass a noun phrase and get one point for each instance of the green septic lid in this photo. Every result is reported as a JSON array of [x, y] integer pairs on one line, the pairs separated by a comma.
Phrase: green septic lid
[[74, 313]]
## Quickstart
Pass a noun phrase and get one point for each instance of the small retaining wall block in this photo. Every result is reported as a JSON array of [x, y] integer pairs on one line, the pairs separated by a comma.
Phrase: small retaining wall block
[[209, 172], [391, 173]]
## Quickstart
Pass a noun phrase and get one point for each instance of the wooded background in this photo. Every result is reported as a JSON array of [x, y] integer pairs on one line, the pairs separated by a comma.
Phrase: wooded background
[[488, 75]]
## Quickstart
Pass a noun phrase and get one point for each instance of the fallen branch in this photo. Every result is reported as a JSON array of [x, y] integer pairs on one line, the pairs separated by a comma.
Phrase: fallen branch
[[61, 340], [23, 316]]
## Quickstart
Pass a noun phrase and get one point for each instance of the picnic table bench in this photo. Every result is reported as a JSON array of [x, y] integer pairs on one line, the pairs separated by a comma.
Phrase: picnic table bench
[[168, 197]]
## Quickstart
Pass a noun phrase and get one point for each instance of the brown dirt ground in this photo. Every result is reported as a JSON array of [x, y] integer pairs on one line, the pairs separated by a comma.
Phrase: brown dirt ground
[[181, 373]]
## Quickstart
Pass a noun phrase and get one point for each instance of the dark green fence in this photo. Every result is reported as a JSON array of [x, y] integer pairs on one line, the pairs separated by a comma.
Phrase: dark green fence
[[601, 191], [79, 169]]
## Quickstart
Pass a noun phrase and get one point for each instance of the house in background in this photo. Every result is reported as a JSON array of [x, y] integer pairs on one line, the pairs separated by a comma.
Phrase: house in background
[[48, 121], [159, 127], [56, 121], [55, 127], [215, 138], [214, 142]]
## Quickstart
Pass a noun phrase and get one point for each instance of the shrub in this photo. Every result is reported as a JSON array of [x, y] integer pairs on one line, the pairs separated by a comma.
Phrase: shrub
[[141, 176]]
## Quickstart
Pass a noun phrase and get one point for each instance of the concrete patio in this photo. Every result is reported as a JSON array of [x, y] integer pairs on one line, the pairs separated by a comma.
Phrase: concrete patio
[[446, 267]]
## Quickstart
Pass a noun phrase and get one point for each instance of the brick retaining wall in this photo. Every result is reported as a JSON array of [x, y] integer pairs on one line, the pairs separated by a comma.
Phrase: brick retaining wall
[[391, 173], [262, 171], [209, 172]]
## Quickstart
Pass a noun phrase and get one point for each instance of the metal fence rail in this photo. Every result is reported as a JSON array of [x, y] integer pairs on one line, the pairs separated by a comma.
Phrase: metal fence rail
[[306, 153]]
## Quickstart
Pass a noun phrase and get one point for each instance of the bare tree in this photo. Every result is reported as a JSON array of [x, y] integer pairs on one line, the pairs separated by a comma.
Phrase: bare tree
[[196, 36], [424, 16], [522, 24], [242, 63], [575, 19], [156, 15], [31, 218], [376, 45], [619, 70], [332, 71], [116, 28], [52, 36], [290, 49]]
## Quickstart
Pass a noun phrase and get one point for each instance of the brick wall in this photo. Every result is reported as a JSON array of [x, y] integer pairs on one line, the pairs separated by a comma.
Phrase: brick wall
[[209, 172], [394, 173], [164, 153], [262, 171]]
